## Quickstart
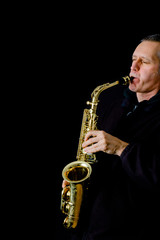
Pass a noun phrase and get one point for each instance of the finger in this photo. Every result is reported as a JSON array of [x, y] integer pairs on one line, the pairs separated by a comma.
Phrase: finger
[[64, 183], [90, 141], [93, 148], [92, 133]]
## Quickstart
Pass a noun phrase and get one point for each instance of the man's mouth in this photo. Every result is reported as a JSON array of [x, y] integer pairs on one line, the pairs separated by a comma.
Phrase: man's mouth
[[134, 78], [134, 81], [131, 79]]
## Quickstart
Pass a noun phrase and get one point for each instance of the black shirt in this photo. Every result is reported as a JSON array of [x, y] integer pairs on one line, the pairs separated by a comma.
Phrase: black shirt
[[124, 192]]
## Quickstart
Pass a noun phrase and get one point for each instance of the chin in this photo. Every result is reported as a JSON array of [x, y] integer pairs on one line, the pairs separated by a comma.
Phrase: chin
[[132, 87]]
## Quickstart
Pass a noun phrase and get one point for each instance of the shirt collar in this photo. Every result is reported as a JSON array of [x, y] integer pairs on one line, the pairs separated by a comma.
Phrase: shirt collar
[[131, 103]]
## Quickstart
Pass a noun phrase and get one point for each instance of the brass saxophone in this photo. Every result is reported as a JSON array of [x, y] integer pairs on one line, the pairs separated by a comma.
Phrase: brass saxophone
[[78, 173]]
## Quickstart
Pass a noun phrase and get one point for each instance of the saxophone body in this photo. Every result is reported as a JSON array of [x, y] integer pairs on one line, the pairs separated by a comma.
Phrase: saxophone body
[[78, 173]]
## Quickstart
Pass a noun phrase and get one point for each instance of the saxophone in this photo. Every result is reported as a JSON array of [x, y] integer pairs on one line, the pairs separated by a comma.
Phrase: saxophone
[[78, 173]]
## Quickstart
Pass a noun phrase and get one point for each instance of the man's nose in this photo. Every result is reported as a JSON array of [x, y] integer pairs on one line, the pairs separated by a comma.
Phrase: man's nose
[[135, 66]]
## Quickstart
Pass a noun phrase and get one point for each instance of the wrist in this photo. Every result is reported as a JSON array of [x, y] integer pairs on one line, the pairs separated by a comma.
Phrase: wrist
[[121, 148]]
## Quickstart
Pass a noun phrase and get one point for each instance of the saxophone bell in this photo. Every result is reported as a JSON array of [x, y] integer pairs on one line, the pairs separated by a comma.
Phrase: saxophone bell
[[76, 173]]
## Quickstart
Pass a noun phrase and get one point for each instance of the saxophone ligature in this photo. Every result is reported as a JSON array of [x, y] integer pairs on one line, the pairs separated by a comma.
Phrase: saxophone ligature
[[78, 173]]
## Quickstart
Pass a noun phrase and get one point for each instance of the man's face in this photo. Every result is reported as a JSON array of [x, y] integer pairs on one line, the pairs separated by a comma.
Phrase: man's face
[[146, 68]]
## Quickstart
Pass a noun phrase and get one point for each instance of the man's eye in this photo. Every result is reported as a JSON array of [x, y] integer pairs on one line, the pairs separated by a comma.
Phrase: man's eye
[[143, 61]]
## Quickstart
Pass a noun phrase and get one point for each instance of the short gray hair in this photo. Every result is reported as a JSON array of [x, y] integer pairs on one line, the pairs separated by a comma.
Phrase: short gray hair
[[154, 38]]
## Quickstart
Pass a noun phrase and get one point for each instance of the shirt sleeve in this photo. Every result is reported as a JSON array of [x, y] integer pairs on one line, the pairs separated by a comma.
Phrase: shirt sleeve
[[141, 162]]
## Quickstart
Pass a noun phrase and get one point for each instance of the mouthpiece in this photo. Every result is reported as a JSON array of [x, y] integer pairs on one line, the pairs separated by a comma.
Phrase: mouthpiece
[[125, 80]]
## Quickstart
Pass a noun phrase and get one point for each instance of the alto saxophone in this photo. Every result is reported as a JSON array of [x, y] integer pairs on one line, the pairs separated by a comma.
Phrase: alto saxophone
[[78, 173]]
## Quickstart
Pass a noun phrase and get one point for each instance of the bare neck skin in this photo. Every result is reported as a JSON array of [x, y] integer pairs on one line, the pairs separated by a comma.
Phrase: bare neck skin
[[146, 96]]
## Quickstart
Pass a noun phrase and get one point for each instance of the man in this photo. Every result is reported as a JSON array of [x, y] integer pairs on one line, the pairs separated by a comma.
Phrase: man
[[124, 197]]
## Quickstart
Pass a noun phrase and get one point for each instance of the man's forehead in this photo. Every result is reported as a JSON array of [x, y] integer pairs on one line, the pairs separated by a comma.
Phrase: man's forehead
[[147, 49]]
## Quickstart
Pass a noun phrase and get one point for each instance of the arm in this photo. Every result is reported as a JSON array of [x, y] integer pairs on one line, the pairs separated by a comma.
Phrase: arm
[[141, 159]]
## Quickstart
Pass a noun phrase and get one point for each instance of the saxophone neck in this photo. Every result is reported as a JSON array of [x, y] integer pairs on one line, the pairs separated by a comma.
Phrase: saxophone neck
[[97, 91]]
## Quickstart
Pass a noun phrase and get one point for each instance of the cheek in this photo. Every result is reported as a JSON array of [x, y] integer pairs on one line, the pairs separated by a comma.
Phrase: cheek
[[153, 78], [150, 81], [156, 75], [150, 74]]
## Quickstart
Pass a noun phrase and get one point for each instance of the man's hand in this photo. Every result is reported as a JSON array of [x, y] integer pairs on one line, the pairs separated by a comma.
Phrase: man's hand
[[96, 141]]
